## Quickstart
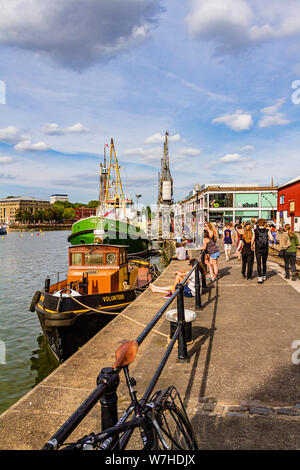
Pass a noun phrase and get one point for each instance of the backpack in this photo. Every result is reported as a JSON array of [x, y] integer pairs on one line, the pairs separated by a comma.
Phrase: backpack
[[262, 239]]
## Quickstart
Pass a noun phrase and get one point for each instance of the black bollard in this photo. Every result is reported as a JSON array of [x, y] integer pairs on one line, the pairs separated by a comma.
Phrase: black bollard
[[182, 350]]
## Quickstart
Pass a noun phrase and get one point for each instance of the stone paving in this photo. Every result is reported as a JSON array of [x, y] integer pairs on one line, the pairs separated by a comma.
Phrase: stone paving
[[241, 385]]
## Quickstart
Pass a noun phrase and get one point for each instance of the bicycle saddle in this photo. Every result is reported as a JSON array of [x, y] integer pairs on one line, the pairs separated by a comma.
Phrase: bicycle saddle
[[125, 354]]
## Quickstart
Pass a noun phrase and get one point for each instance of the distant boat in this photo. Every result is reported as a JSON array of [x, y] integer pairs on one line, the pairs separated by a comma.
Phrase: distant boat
[[115, 221], [101, 282]]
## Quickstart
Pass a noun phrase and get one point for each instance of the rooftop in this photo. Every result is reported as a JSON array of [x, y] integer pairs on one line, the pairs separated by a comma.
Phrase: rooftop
[[23, 198], [295, 180]]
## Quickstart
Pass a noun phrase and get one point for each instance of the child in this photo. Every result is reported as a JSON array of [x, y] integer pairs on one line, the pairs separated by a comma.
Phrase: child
[[227, 240]]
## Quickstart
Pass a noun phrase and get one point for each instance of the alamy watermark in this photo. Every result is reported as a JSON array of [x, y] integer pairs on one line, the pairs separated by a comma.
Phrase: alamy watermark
[[296, 353], [2, 352], [2, 92]]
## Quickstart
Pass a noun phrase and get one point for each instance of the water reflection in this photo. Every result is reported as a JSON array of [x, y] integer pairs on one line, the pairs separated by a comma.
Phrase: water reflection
[[42, 361]]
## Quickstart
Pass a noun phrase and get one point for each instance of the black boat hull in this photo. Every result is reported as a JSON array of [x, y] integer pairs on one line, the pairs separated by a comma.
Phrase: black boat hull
[[68, 325]]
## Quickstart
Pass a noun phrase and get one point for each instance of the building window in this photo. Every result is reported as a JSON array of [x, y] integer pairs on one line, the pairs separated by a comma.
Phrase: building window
[[282, 199], [221, 200]]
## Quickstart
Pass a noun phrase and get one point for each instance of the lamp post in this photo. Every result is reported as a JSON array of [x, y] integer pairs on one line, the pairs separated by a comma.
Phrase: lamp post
[[197, 189]]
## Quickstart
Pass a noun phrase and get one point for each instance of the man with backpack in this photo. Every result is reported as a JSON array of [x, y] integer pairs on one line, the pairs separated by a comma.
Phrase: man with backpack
[[260, 242]]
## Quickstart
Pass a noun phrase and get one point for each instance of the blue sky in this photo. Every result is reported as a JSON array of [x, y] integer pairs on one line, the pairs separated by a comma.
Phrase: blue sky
[[216, 74]]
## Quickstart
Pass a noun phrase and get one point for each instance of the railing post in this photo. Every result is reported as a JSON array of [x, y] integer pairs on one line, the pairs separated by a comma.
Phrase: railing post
[[182, 350], [109, 406], [198, 304]]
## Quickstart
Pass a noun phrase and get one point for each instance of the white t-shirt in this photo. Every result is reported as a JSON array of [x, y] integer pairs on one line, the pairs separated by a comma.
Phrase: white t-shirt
[[191, 283], [181, 253]]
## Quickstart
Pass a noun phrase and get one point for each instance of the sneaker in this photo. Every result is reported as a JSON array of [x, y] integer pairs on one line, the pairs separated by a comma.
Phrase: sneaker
[[260, 280], [167, 296], [286, 277], [294, 276], [264, 278], [243, 276]]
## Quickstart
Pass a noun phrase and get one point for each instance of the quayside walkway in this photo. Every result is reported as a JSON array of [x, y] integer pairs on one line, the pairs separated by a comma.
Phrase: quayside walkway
[[241, 385]]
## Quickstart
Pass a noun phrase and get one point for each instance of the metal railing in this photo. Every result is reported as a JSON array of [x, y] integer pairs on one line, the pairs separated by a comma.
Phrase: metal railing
[[108, 379]]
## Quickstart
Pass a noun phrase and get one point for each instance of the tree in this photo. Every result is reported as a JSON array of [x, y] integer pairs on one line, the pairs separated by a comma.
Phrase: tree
[[39, 215], [68, 213], [93, 204]]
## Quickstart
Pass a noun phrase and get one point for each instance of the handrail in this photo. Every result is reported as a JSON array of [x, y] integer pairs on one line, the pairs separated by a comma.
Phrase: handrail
[[108, 379]]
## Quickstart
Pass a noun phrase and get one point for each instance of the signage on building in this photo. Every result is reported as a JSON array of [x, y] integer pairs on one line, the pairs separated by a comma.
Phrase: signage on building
[[246, 204], [292, 206]]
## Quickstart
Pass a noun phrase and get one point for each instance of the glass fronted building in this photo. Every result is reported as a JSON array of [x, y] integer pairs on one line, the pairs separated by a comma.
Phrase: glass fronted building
[[233, 203]]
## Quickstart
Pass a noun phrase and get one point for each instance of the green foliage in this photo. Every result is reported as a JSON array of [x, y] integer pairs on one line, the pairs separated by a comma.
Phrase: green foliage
[[93, 204]]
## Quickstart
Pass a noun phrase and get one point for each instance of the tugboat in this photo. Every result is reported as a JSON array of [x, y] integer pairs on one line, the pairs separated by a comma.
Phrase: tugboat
[[115, 215], [100, 283]]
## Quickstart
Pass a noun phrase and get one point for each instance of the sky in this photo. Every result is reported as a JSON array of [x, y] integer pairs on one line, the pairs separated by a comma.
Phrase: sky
[[222, 77]]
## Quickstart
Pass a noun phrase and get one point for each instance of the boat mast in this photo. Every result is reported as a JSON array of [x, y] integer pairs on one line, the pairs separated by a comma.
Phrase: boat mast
[[114, 195]]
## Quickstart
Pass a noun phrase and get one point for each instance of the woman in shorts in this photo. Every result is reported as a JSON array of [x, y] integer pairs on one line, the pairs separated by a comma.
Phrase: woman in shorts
[[211, 249]]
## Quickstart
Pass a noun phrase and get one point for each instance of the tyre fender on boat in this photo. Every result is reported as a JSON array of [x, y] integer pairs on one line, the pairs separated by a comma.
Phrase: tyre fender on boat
[[35, 300]]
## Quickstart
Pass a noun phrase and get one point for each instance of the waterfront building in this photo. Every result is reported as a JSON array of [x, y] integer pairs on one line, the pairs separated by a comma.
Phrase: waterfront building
[[10, 206], [225, 202], [59, 197], [83, 212], [289, 204]]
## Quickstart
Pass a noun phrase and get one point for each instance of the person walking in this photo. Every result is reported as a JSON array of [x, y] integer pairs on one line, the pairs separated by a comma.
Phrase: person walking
[[247, 252], [288, 243], [273, 232], [227, 240], [260, 241], [239, 232], [211, 249]]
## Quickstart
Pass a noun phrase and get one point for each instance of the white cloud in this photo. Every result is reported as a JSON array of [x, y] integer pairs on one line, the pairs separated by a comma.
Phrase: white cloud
[[54, 129], [158, 138], [274, 108], [233, 25], [26, 145], [247, 148], [150, 156], [76, 129], [190, 151], [76, 34], [237, 121], [272, 117], [4, 159], [10, 134], [51, 129], [277, 120], [232, 158]]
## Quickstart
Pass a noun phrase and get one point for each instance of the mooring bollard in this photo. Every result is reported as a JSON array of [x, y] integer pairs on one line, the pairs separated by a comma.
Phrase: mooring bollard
[[182, 350], [189, 315]]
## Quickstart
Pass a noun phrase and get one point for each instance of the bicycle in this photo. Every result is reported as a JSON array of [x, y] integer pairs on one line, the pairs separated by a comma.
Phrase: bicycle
[[162, 423]]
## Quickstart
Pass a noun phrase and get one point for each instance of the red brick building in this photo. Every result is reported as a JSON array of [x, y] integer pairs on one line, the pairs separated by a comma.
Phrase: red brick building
[[83, 212], [288, 206]]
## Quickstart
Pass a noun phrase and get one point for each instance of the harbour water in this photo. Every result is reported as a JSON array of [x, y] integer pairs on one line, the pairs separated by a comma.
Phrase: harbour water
[[27, 258]]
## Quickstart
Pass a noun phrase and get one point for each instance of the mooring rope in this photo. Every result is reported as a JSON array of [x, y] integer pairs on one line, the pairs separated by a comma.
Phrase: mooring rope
[[112, 313]]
